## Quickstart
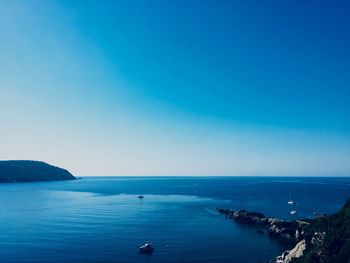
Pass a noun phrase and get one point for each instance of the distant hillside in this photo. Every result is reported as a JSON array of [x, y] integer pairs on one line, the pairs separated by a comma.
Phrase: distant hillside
[[328, 238], [31, 171]]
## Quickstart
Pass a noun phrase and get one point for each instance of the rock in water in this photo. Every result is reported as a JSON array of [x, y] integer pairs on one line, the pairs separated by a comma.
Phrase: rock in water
[[31, 171]]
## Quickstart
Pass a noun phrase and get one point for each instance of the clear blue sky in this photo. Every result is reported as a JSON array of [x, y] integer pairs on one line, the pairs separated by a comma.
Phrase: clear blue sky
[[177, 87]]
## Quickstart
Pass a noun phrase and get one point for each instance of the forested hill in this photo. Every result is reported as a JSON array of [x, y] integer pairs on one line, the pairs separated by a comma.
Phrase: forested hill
[[328, 238], [31, 171]]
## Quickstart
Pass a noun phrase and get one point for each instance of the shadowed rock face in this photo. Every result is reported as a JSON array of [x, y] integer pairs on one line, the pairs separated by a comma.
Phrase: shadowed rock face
[[31, 171]]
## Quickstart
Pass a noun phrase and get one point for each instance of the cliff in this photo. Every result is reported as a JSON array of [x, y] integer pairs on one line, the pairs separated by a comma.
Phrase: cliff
[[324, 239], [31, 171], [290, 255], [327, 238]]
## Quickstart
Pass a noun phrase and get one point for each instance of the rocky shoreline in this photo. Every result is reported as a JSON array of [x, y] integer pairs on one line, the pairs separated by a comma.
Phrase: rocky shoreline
[[291, 231], [322, 239], [287, 231]]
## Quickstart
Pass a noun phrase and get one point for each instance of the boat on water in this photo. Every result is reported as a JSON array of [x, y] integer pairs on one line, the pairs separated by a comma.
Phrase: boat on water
[[290, 202], [140, 196], [146, 248]]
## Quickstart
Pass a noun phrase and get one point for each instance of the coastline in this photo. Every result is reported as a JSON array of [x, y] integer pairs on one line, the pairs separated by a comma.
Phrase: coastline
[[323, 239]]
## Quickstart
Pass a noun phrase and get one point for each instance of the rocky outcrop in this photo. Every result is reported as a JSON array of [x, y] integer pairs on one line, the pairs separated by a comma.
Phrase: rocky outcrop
[[291, 231], [323, 239], [289, 255]]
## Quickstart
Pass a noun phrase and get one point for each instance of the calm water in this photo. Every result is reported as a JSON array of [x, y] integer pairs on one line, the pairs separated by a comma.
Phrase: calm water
[[100, 219]]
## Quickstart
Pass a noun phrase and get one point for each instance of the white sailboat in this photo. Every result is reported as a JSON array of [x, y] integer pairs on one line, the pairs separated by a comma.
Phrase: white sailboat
[[290, 202]]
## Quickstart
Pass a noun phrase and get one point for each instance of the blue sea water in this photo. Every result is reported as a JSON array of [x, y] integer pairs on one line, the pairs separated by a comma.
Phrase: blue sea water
[[100, 219]]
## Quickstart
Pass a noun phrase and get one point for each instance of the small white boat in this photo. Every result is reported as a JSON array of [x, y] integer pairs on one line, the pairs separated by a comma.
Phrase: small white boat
[[146, 248], [293, 212], [290, 202]]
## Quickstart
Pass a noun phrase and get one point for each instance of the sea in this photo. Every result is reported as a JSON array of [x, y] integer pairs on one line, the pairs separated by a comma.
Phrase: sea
[[100, 219]]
